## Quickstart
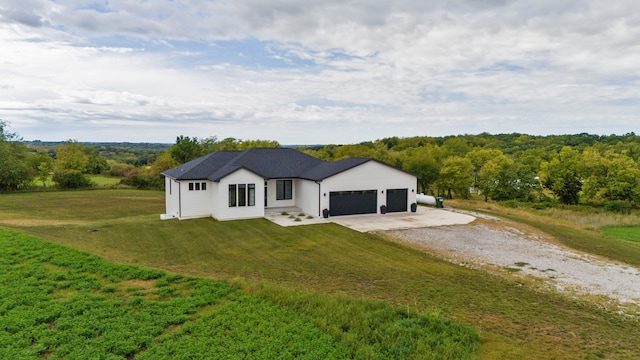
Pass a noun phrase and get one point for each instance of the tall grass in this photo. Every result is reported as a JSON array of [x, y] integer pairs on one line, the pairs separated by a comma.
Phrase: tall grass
[[592, 218], [97, 181]]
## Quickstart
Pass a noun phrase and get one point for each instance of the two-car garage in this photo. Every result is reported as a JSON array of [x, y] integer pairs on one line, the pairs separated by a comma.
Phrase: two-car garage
[[366, 186], [365, 201]]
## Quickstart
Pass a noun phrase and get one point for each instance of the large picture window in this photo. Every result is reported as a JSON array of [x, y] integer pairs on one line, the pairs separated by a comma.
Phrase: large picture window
[[284, 189], [242, 195]]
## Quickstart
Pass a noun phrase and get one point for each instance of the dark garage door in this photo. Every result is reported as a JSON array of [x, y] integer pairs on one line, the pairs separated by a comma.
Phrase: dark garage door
[[396, 200], [353, 202]]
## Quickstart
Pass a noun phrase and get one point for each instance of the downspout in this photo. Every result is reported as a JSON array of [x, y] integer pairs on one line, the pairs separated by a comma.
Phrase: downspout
[[319, 199], [179, 200]]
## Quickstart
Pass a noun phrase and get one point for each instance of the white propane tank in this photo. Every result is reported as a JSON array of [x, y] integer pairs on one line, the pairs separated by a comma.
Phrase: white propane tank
[[425, 199]]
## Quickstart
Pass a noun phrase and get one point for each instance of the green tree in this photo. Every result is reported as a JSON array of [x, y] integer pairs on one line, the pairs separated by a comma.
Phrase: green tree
[[250, 144], [423, 162], [186, 149], [163, 162], [96, 164], [609, 176], [560, 175], [456, 176], [493, 175], [595, 169], [517, 182], [42, 164], [70, 166], [15, 172], [456, 146], [151, 177], [624, 180], [479, 157]]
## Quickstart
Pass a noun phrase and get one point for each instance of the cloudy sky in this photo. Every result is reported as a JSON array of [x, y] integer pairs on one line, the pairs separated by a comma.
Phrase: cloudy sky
[[308, 72]]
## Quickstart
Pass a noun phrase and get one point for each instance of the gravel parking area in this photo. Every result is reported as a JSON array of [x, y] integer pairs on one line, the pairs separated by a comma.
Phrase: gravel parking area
[[479, 245]]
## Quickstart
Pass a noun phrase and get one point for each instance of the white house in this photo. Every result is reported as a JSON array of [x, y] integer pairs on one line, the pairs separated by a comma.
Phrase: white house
[[229, 185]]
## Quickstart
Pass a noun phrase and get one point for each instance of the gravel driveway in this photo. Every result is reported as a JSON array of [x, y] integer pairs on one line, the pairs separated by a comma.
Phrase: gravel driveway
[[509, 248]]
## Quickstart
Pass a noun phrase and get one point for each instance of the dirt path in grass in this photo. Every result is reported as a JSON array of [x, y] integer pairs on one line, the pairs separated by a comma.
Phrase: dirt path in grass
[[491, 244]]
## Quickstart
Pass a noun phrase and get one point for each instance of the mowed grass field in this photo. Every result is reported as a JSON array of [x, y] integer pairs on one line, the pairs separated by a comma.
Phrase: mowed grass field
[[629, 233], [329, 274]]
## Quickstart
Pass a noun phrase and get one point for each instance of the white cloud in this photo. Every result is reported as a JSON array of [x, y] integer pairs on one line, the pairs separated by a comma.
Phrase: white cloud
[[317, 71]]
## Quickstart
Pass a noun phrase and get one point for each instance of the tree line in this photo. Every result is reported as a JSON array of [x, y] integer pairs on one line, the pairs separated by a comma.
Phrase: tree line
[[569, 169], [70, 164], [20, 167], [184, 150]]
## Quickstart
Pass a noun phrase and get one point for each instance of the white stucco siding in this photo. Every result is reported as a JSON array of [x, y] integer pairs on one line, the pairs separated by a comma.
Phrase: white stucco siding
[[214, 207], [272, 201], [308, 196], [221, 201], [195, 203], [172, 197], [371, 175]]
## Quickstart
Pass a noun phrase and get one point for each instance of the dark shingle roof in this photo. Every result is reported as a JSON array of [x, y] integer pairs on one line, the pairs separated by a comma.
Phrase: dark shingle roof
[[202, 167], [327, 169], [269, 163], [277, 163]]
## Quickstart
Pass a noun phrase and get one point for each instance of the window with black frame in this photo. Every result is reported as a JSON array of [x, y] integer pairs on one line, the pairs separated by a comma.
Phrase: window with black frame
[[232, 195], [284, 189]]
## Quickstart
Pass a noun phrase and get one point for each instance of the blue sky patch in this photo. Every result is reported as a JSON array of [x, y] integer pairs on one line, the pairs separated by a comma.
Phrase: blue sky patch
[[502, 66], [250, 53], [99, 6]]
